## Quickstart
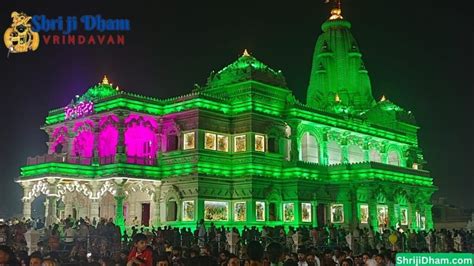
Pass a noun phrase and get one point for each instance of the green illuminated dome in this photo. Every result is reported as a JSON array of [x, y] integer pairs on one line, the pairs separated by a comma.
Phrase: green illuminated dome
[[99, 91], [339, 81], [246, 68]]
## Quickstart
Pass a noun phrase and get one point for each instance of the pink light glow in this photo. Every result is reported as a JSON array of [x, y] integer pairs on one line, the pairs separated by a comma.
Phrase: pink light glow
[[110, 119], [83, 145], [58, 136], [108, 137], [108, 140], [140, 137]]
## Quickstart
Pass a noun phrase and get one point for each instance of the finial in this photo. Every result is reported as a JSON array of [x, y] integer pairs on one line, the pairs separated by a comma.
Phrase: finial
[[338, 100], [117, 88], [383, 98], [246, 53], [105, 81], [336, 11]]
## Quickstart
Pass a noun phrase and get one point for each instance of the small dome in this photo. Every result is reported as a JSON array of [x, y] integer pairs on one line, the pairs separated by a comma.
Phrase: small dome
[[99, 91], [246, 68]]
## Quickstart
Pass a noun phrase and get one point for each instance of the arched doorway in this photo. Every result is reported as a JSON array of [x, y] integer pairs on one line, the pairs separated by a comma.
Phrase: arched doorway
[[171, 210]]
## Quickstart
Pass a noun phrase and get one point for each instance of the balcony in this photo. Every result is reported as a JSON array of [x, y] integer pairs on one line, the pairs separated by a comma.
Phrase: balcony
[[67, 158]]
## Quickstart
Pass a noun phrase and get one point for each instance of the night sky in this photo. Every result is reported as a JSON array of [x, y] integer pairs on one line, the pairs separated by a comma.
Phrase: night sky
[[418, 53]]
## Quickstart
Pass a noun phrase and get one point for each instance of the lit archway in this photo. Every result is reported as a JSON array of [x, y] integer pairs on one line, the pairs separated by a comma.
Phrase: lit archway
[[334, 152], [83, 144], [375, 156], [309, 149], [140, 139], [356, 154], [108, 139]]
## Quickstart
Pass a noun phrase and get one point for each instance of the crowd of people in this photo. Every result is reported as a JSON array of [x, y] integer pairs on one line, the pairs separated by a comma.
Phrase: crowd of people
[[91, 242]]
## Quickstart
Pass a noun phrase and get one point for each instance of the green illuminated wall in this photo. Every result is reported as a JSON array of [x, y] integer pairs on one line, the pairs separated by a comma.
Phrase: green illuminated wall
[[249, 98]]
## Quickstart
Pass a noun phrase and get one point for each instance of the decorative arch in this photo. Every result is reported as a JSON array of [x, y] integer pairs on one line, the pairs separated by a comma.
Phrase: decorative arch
[[274, 134], [380, 196], [58, 140], [375, 156], [394, 155], [309, 148], [173, 200], [83, 144], [75, 186], [108, 138], [141, 187], [40, 187], [401, 197], [356, 153], [140, 139], [171, 136]]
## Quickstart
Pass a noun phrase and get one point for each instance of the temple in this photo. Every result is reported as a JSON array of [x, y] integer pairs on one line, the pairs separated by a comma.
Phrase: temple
[[238, 150]]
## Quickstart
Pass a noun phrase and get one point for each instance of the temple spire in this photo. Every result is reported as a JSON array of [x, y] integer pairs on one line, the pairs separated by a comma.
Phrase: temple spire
[[336, 11], [105, 81], [338, 68]]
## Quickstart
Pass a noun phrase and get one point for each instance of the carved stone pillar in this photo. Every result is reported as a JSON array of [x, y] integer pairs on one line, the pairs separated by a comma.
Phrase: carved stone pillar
[[366, 149], [95, 201], [52, 201], [157, 211], [119, 198], [344, 150], [121, 149], [26, 200], [429, 216]]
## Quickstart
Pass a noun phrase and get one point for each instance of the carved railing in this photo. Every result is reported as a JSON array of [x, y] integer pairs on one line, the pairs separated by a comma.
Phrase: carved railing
[[66, 158], [58, 158]]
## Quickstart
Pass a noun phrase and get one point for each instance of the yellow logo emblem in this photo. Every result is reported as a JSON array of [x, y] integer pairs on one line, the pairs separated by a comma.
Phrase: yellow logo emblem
[[19, 37]]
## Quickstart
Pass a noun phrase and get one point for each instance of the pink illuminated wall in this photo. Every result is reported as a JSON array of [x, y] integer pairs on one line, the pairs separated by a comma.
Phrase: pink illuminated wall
[[83, 145], [108, 136], [59, 136], [140, 136]]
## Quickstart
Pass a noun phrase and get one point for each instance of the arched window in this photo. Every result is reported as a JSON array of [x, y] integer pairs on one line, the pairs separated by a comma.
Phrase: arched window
[[334, 152], [108, 139], [375, 156], [309, 150], [171, 210], [393, 158], [140, 140], [58, 140], [356, 154], [273, 144], [83, 144]]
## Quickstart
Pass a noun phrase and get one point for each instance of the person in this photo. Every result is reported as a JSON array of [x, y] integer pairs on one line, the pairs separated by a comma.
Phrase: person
[[141, 254], [36, 259], [275, 254], [162, 261], [233, 260], [255, 253], [302, 258], [50, 262], [7, 257]]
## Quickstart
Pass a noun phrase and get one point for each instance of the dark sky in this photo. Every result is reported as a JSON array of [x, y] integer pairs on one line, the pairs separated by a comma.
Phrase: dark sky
[[418, 53]]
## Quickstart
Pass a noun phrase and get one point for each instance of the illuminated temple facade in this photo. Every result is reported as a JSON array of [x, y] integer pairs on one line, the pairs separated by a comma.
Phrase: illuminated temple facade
[[239, 150]]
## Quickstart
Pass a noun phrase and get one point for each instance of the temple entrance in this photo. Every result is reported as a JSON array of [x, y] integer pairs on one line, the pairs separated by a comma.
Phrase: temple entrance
[[272, 216], [74, 213], [146, 214], [171, 211], [38, 208], [321, 214], [107, 206]]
